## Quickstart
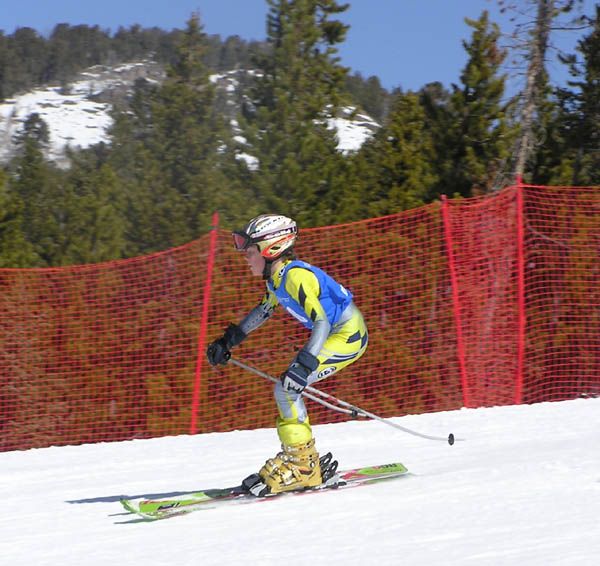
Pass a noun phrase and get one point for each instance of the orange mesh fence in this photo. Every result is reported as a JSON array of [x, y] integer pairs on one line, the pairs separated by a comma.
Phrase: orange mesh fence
[[562, 278], [100, 352], [482, 240], [474, 302]]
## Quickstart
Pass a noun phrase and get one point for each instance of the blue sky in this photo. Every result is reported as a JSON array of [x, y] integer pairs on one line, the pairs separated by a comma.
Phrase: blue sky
[[406, 43]]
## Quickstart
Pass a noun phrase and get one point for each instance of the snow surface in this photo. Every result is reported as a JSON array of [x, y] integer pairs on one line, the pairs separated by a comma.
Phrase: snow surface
[[352, 133], [72, 119], [524, 488], [75, 119]]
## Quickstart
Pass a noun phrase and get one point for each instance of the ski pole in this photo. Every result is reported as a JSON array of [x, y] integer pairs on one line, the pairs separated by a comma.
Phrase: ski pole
[[344, 407]]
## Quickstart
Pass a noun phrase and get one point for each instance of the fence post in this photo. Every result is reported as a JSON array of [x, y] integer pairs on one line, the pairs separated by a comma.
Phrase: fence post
[[460, 348], [520, 293], [204, 322]]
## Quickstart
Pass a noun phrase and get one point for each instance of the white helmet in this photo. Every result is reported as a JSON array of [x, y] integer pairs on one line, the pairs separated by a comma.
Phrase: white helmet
[[272, 233]]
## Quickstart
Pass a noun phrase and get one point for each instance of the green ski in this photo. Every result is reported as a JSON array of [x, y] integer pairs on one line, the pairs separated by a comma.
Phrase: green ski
[[155, 509]]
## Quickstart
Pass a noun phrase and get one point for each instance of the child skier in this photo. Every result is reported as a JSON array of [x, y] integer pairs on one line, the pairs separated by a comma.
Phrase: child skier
[[338, 338]]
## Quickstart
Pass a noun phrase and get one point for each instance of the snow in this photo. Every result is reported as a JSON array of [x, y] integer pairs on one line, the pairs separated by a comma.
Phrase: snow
[[352, 129], [251, 161], [72, 118], [523, 488], [76, 120]]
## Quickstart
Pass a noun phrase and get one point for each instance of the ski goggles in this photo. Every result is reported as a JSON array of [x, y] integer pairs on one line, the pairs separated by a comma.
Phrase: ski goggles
[[241, 241]]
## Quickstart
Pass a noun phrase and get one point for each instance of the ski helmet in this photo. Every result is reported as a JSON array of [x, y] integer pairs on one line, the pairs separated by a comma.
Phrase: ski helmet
[[272, 233]]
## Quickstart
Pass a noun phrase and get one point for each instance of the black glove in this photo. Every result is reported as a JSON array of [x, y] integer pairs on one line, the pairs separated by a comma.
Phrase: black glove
[[219, 351], [295, 378]]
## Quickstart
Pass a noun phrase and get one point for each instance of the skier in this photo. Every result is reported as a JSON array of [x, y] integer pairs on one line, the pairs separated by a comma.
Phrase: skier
[[338, 338]]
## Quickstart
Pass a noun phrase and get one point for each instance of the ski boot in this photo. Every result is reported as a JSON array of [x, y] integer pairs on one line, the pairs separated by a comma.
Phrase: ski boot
[[295, 468]]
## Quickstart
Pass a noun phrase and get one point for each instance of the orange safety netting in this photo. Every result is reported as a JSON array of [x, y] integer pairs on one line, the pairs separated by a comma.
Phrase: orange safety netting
[[475, 302]]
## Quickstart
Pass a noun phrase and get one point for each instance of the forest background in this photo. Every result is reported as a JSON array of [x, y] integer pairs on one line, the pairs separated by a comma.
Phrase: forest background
[[172, 160]]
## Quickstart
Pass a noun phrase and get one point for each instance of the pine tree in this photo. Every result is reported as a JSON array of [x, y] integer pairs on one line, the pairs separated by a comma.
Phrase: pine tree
[[396, 167], [25, 61], [299, 88], [581, 124], [37, 185], [174, 144], [369, 95], [548, 159], [475, 144], [15, 250], [96, 213], [191, 136]]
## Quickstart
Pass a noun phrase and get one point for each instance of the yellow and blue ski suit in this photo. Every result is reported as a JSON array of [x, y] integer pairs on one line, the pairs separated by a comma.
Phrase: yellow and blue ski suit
[[338, 337]]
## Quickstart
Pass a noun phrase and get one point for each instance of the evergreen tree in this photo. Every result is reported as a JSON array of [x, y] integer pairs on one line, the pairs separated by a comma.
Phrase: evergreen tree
[[299, 87], [434, 98], [190, 136], [369, 95], [581, 124], [35, 132], [149, 200], [96, 212], [475, 144], [72, 48], [396, 166], [15, 250], [37, 185], [548, 159], [176, 147], [25, 64]]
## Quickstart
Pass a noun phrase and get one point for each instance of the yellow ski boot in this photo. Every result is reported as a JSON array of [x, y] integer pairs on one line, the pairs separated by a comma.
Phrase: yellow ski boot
[[295, 467]]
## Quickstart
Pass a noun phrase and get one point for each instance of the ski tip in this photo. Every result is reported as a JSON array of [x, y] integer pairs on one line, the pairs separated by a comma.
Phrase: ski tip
[[128, 505]]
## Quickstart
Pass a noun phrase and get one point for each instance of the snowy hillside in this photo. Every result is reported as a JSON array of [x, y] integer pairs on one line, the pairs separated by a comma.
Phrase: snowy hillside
[[78, 115], [523, 489]]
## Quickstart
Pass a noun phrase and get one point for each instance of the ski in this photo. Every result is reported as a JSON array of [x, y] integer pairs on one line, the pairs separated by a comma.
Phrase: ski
[[155, 509]]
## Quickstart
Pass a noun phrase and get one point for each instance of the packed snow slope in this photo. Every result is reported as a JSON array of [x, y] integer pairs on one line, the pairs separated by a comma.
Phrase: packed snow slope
[[523, 488]]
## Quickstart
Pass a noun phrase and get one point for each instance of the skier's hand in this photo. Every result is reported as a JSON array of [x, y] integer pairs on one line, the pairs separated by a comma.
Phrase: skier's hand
[[219, 351], [295, 378]]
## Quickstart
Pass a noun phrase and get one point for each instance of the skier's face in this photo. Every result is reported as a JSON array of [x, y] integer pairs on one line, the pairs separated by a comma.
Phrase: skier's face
[[255, 261]]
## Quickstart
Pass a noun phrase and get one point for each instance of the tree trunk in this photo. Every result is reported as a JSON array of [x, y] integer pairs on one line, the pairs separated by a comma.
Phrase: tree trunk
[[537, 54]]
